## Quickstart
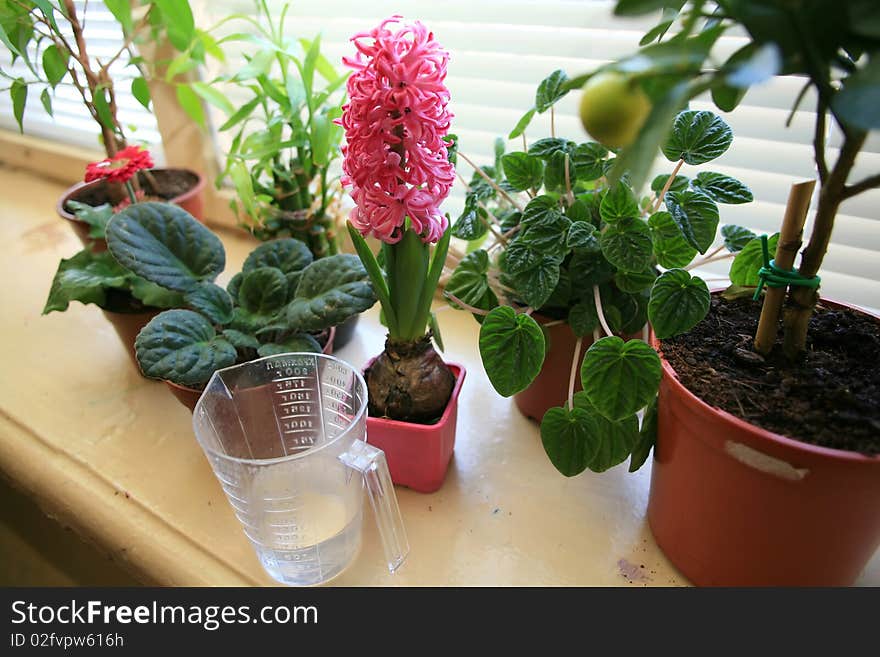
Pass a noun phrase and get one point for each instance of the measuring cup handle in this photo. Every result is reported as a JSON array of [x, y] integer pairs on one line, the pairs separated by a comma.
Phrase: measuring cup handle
[[370, 462]]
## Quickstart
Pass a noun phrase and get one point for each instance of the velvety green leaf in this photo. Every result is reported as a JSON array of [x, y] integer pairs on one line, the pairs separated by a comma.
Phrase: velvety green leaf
[[569, 438], [183, 347], [620, 377], [582, 235], [696, 215], [619, 203], [583, 318], [680, 183], [545, 148], [330, 291], [670, 246], [697, 137], [85, 277], [298, 343], [150, 294], [96, 217], [736, 237], [522, 124], [535, 285], [629, 281], [647, 438], [678, 302], [287, 254], [18, 92], [587, 160], [55, 64], [614, 439], [512, 350], [523, 171], [240, 340], [627, 244], [212, 301], [744, 270], [234, 285], [165, 245], [722, 189], [549, 91], [470, 282], [263, 291]]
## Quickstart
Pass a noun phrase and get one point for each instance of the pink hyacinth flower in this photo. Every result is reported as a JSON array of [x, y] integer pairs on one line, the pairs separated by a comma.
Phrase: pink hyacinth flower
[[396, 121]]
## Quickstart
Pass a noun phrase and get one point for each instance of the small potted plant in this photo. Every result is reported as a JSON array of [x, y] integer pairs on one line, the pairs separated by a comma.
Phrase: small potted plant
[[766, 469], [398, 169], [282, 301], [52, 41]]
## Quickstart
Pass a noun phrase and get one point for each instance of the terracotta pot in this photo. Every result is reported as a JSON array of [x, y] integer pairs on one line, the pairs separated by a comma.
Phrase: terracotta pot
[[192, 201], [189, 396], [732, 504], [418, 454], [128, 325], [550, 387]]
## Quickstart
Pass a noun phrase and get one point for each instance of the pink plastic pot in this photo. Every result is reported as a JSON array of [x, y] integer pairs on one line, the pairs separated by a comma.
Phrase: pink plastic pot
[[418, 454], [732, 504], [192, 201]]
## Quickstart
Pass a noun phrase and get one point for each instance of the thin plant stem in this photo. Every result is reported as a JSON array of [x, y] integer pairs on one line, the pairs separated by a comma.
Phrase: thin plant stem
[[666, 187], [597, 299], [130, 189], [491, 182], [706, 261], [574, 363], [466, 306]]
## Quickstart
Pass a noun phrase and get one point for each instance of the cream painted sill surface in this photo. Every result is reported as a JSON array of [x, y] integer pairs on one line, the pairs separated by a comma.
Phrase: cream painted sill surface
[[113, 455]]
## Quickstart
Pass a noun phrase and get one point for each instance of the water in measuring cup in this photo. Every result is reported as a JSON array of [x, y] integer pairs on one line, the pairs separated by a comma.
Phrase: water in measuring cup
[[305, 536]]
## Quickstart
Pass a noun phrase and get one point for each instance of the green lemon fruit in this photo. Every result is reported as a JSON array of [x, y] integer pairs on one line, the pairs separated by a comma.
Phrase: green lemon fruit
[[613, 109]]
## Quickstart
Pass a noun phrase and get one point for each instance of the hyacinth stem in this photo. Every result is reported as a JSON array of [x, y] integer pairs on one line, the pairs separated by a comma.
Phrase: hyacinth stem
[[407, 265], [380, 287]]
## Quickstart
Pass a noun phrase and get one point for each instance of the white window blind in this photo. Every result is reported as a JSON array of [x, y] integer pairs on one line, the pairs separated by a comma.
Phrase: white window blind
[[501, 50], [71, 122]]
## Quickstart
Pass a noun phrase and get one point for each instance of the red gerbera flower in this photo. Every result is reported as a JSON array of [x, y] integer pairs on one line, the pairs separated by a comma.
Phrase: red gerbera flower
[[121, 167]]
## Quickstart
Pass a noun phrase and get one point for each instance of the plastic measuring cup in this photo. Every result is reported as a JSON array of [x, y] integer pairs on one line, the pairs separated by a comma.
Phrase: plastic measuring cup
[[285, 436]]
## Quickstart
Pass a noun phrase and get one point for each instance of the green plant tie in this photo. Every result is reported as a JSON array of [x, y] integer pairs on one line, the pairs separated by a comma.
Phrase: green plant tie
[[773, 276]]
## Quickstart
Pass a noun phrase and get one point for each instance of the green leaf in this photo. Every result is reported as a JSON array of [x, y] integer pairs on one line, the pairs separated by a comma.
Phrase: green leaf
[[519, 257], [85, 277], [856, 104], [628, 281], [722, 189], [523, 171], [288, 254], [614, 439], [141, 91], [212, 96], [589, 269], [150, 294], [588, 160], [471, 225], [263, 291], [55, 64], [46, 100], [627, 244], [191, 103], [583, 318], [620, 377], [545, 148], [697, 137], [178, 20], [696, 215], [569, 438], [105, 116], [299, 343], [539, 210], [535, 285], [736, 237], [522, 124], [18, 92], [470, 282], [121, 10], [240, 340], [234, 285], [647, 438], [639, 7], [670, 246], [678, 302], [680, 183], [548, 236], [241, 114], [183, 347], [165, 245], [554, 173], [747, 263], [582, 235], [550, 90], [212, 301], [619, 203], [330, 291], [434, 327], [512, 350]]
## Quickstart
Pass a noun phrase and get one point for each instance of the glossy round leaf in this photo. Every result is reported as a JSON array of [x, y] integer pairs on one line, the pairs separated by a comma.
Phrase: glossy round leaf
[[736, 237], [678, 302], [614, 439], [723, 189], [535, 285], [627, 245], [670, 246], [569, 439], [523, 171], [512, 350], [647, 438], [470, 282], [620, 377], [696, 215], [697, 137], [619, 203]]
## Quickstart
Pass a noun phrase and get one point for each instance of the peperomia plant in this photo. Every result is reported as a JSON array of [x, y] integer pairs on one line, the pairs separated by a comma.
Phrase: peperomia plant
[[274, 305], [572, 246]]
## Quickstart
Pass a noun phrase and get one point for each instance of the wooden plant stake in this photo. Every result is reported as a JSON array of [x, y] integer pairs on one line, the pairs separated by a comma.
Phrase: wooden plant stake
[[790, 240]]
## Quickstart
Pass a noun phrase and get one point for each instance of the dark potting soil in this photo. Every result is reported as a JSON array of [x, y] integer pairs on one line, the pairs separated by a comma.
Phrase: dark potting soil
[[830, 398], [170, 183]]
